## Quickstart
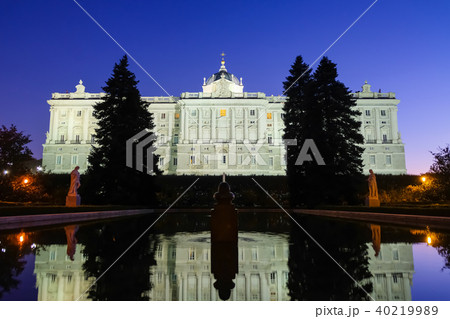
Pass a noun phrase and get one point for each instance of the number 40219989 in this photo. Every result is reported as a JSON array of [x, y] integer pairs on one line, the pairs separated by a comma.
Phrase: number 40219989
[[407, 310]]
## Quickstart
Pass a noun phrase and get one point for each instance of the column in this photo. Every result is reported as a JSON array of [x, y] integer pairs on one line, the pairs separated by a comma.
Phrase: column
[[394, 125], [279, 286], [246, 124], [54, 126], [185, 287], [406, 286], [180, 288], [76, 289], [276, 135], [233, 126], [85, 137], [186, 125], [263, 287], [170, 132], [183, 128], [44, 288], [213, 290], [377, 125], [247, 286], [167, 288], [199, 129], [198, 280], [70, 121], [213, 125], [60, 291], [389, 286], [51, 128], [261, 124]]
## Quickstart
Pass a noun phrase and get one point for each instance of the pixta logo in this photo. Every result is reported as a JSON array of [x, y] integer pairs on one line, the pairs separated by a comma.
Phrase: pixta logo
[[139, 151]]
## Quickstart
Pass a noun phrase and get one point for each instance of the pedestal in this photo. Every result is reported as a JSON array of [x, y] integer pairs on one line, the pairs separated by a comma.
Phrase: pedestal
[[372, 202], [73, 200]]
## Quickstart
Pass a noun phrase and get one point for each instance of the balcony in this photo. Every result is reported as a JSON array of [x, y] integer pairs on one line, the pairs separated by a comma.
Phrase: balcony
[[371, 141], [75, 142], [60, 142], [387, 141]]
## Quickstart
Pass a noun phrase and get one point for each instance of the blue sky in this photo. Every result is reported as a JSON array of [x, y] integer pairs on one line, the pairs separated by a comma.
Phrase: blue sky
[[400, 46]]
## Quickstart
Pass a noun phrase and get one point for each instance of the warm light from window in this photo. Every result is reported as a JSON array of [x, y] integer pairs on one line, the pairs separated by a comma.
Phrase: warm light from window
[[429, 240], [177, 115], [269, 116], [223, 112], [21, 239]]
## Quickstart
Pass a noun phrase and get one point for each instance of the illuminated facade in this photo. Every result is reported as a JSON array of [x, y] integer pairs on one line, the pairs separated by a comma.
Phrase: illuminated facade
[[221, 129]]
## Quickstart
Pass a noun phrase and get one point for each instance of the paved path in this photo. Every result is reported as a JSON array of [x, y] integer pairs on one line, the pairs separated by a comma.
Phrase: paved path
[[399, 219]]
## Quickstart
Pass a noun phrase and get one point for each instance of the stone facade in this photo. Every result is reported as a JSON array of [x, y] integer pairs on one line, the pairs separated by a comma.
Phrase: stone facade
[[221, 129]]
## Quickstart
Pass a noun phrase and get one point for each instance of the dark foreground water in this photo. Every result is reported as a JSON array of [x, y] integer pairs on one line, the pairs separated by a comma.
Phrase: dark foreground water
[[273, 260]]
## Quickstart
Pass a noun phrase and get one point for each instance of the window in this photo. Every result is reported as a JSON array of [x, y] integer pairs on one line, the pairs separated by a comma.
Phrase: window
[[205, 159], [273, 277], [395, 254], [192, 159], [388, 160], [63, 114], [194, 113], [223, 112], [58, 160], [175, 139], [224, 159], [53, 255], [175, 161], [252, 112], [269, 139], [74, 159], [239, 160], [384, 137], [367, 112], [254, 254], [69, 279], [162, 139], [92, 138], [372, 159], [163, 116], [177, 115], [253, 159], [159, 251], [78, 113], [252, 122], [383, 112], [161, 161], [282, 116], [77, 138], [269, 116], [191, 254], [270, 161], [61, 138], [395, 277]]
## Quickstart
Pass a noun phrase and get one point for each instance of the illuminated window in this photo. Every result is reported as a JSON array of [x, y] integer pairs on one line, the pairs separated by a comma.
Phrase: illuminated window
[[177, 115], [269, 116], [223, 112]]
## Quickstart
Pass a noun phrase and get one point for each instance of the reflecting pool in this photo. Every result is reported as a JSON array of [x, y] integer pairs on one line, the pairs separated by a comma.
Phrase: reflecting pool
[[273, 260]]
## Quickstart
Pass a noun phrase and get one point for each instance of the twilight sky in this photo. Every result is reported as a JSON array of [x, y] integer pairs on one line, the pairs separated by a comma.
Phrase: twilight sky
[[399, 46]]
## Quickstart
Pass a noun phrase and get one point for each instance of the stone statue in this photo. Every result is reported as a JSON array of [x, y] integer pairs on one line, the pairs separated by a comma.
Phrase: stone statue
[[72, 198], [372, 200], [72, 241], [373, 189], [74, 182]]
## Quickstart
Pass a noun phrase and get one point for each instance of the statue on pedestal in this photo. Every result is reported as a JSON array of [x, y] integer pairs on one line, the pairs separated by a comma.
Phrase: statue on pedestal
[[72, 198], [372, 200]]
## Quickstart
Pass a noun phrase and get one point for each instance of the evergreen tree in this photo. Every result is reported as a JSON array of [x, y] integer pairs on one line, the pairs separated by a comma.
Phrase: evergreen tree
[[121, 115], [296, 121], [441, 169], [328, 118]]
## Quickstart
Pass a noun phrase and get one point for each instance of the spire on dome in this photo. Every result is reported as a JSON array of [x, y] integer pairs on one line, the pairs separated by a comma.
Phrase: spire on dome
[[222, 66]]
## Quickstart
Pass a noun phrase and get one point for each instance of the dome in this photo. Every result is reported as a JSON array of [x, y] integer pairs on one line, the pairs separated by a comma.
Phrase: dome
[[218, 76]]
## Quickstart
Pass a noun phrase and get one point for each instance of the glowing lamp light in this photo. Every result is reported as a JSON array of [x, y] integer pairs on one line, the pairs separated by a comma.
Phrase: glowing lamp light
[[33, 246], [5, 172], [3, 250], [26, 181], [39, 169], [429, 240], [424, 179]]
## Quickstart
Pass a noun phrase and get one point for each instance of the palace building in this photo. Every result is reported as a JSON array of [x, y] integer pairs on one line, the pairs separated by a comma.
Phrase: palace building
[[221, 129]]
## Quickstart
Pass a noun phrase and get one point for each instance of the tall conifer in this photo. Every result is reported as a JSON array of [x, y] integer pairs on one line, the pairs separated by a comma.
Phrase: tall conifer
[[121, 115]]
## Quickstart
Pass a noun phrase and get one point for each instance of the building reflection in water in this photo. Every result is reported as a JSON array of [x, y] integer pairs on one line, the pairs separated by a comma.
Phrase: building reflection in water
[[183, 269], [58, 277]]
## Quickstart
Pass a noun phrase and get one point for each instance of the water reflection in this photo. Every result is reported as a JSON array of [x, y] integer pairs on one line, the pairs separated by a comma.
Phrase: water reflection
[[177, 260]]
